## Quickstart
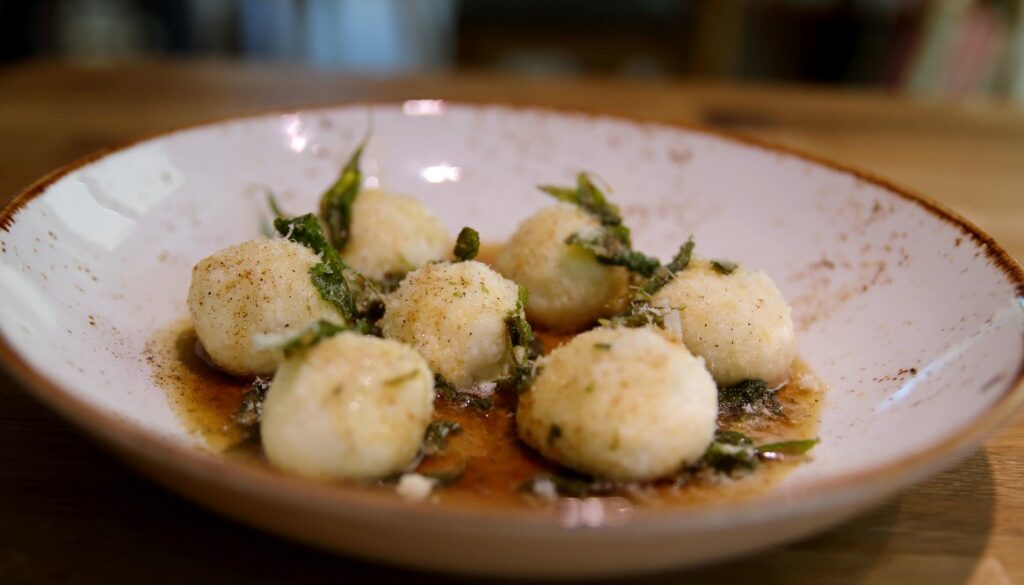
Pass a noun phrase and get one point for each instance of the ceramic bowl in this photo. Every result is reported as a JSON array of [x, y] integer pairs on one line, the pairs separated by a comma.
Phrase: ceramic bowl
[[909, 314]]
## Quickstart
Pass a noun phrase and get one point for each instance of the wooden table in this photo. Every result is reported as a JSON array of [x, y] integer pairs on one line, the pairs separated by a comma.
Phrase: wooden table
[[69, 512]]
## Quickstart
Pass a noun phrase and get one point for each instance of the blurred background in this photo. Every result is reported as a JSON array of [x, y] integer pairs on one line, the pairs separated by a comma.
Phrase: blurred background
[[930, 48]]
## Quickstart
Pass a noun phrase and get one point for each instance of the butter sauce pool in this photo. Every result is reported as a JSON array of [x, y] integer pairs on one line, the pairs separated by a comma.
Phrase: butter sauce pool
[[491, 462]]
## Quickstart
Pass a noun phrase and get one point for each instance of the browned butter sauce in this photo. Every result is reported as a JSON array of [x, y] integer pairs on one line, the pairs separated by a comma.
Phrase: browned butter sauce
[[493, 463]]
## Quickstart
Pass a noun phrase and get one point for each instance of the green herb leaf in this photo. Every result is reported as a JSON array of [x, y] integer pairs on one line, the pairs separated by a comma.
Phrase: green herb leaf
[[795, 447], [520, 332], [587, 196], [355, 296], [663, 274], [275, 207], [336, 203], [747, 399], [639, 313], [612, 244], [522, 343], [250, 412], [730, 459], [437, 435], [724, 266], [306, 230], [682, 258], [467, 244], [610, 249], [311, 335], [464, 399], [328, 279], [733, 453], [732, 437], [266, 227]]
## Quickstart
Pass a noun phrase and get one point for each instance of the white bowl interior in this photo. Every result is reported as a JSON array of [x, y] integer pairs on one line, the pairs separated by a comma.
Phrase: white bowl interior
[[912, 327]]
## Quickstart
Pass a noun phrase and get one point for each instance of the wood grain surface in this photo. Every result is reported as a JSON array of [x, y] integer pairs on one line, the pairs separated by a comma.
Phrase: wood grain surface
[[69, 512]]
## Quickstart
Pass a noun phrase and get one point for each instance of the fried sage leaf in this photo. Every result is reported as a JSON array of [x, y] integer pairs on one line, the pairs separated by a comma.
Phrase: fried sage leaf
[[611, 243], [747, 399], [795, 447], [730, 453], [640, 311], [304, 339], [467, 244], [447, 391], [336, 203], [587, 196], [733, 453], [437, 435], [250, 411], [663, 274], [275, 207], [724, 266], [523, 344], [355, 296], [610, 248]]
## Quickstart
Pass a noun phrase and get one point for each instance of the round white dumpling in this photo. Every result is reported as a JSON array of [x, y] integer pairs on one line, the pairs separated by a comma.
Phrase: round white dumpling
[[625, 404], [569, 288], [352, 407], [392, 234], [738, 322], [454, 314], [250, 289]]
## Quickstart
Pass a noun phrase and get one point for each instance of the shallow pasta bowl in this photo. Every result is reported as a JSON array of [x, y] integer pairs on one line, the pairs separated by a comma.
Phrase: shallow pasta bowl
[[909, 314]]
